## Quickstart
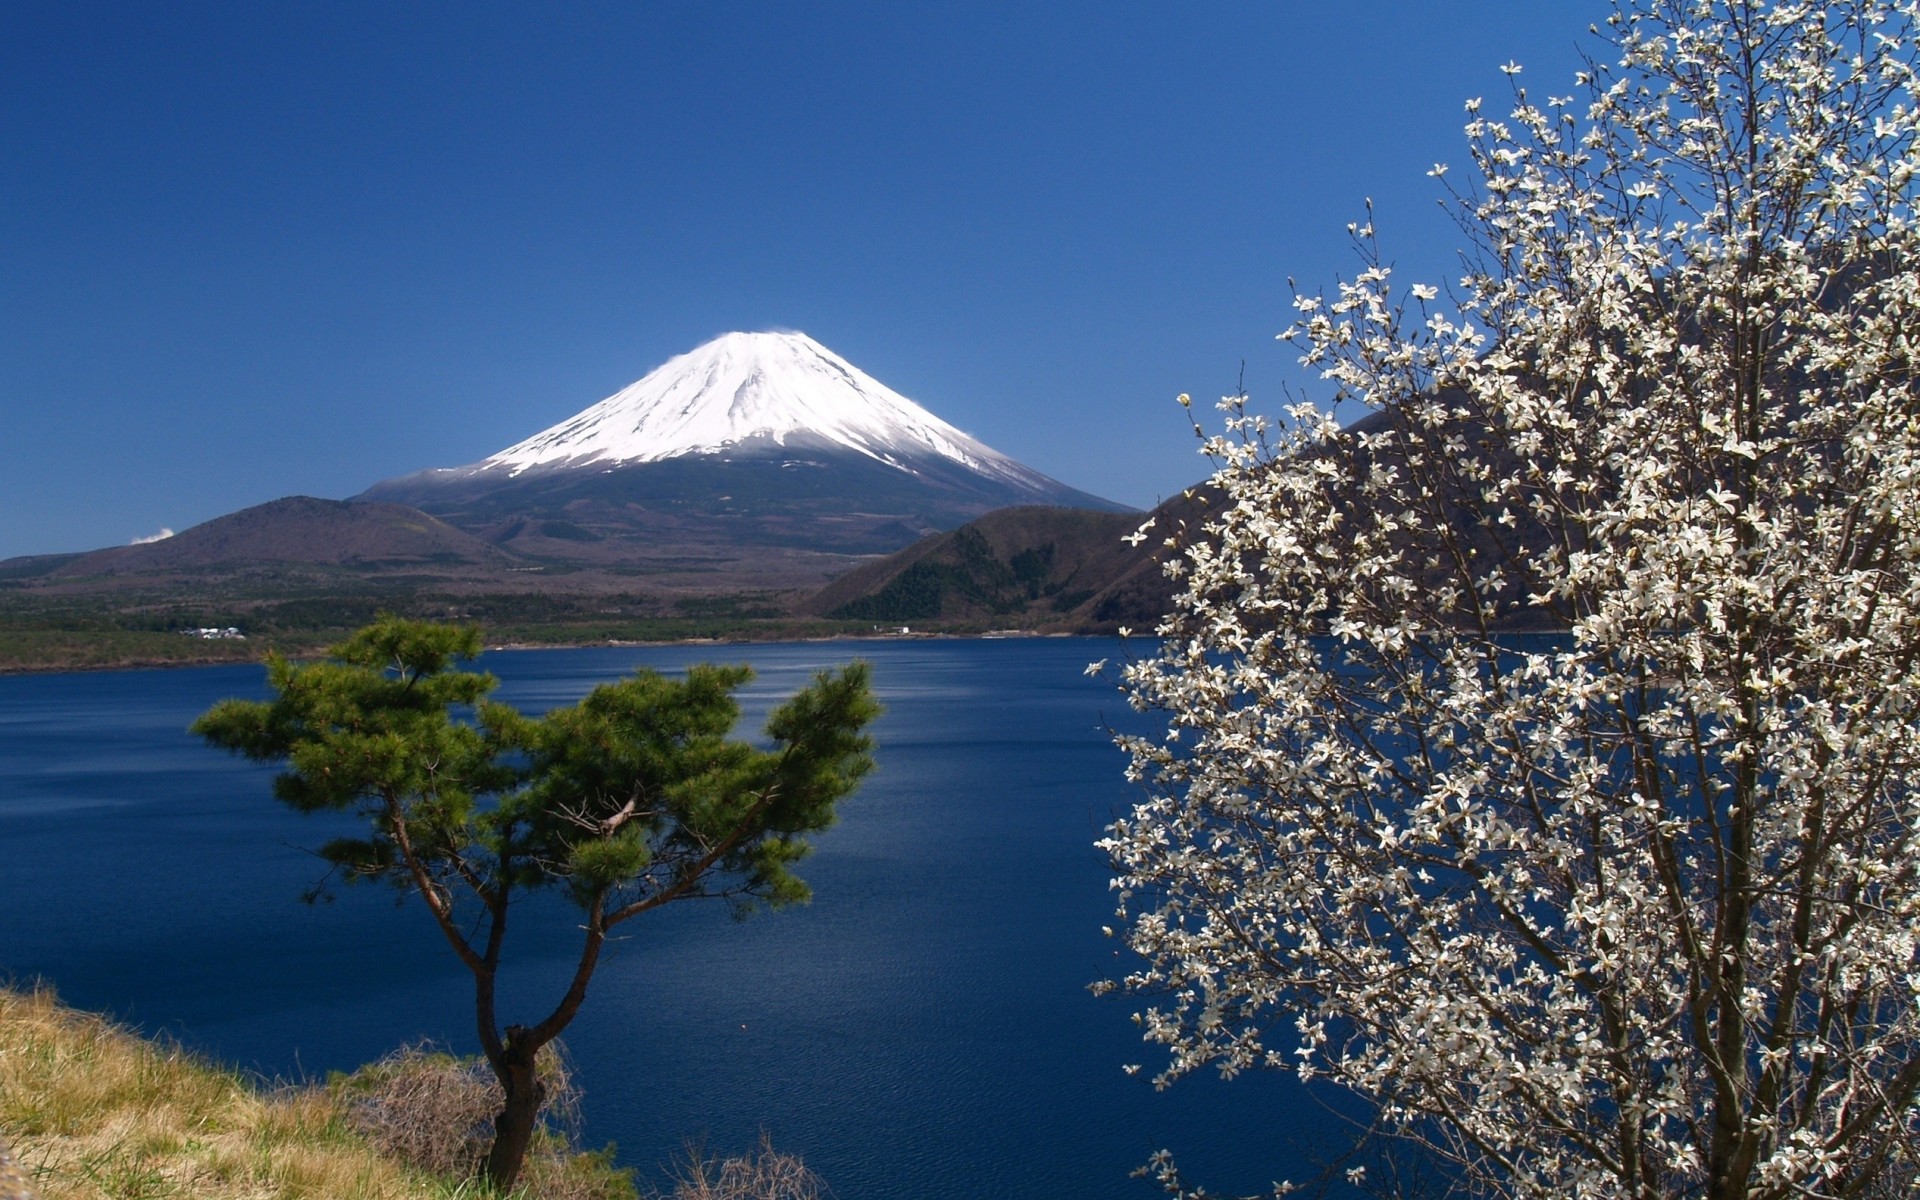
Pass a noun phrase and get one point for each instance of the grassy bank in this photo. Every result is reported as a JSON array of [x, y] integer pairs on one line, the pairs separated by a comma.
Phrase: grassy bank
[[40, 652], [45, 632], [93, 1112], [102, 650], [42, 634]]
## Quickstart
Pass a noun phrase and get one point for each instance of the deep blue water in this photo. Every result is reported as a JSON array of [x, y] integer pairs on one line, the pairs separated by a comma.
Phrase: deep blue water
[[922, 1028]]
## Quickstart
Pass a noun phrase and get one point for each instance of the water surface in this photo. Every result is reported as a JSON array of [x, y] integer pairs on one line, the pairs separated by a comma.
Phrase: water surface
[[921, 1029]]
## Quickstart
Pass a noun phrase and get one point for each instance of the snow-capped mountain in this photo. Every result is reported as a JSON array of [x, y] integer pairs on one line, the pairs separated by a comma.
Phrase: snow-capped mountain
[[746, 388], [761, 438]]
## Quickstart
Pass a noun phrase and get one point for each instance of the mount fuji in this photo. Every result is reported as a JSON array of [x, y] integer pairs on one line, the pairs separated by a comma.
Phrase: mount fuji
[[761, 440]]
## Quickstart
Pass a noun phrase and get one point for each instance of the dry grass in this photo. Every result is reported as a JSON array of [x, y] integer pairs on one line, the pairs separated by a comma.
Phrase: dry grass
[[95, 1113], [765, 1174]]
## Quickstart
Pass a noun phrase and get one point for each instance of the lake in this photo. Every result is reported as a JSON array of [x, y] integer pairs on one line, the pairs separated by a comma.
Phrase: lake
[[923, 1028]]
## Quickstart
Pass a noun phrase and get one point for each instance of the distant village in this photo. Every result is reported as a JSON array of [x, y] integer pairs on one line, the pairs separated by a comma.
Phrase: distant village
[[230, 633]]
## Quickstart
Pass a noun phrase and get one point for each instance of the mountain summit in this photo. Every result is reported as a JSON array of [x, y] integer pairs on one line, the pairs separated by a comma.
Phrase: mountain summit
[[745, 392], [753, 439]]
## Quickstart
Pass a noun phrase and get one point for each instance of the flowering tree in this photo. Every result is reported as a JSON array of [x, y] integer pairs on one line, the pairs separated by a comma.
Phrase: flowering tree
[[1627, 909]]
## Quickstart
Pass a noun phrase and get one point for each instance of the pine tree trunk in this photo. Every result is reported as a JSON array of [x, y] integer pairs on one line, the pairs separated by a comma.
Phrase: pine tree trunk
[[513, 1127]]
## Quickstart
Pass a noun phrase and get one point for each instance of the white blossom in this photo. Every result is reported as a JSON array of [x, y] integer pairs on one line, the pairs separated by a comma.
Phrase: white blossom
[[1627, 906]]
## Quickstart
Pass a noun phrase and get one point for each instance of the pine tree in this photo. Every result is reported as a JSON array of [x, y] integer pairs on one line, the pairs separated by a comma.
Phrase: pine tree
[[633, 798]]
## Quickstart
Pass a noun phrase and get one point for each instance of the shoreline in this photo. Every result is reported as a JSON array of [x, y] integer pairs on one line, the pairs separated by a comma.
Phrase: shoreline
[[165, 664]]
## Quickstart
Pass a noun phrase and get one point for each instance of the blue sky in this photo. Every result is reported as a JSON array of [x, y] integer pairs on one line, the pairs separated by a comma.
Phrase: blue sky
[[254, 250]]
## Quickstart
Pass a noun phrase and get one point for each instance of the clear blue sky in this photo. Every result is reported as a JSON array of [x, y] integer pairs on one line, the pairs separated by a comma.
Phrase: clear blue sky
[[252, 250]]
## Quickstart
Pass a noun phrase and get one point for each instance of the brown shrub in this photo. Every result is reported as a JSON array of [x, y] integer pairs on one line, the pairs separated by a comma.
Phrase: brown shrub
[[435, 1112], [763, 1174]]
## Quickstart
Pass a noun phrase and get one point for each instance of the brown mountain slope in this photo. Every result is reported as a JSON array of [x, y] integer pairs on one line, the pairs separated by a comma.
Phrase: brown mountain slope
[[299, 530], [1040, 568]]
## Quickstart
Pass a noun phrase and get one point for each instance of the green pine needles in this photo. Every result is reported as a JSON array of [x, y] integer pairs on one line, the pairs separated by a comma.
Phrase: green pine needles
[[635, 797]]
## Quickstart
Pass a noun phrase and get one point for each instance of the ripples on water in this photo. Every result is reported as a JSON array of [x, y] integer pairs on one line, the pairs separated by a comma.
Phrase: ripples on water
[[921, 1029]]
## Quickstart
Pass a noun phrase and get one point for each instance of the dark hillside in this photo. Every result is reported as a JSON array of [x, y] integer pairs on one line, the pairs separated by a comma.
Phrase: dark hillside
[[301, 530], [1056, 569], [33, 566]]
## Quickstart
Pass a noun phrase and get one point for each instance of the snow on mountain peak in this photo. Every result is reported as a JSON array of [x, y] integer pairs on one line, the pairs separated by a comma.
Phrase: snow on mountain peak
[[746, 388]]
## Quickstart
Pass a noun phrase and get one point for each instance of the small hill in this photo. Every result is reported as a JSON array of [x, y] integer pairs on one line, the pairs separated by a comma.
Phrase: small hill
[[33, 566], [298, 530], [1055, 569]]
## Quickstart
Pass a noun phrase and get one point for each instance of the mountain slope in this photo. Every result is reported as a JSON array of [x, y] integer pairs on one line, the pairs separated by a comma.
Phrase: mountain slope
[[298, 530], [1039, 568], [754, 440]]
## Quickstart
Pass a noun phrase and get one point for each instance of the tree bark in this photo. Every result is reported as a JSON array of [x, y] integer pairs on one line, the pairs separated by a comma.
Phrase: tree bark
[[520, 1114]]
